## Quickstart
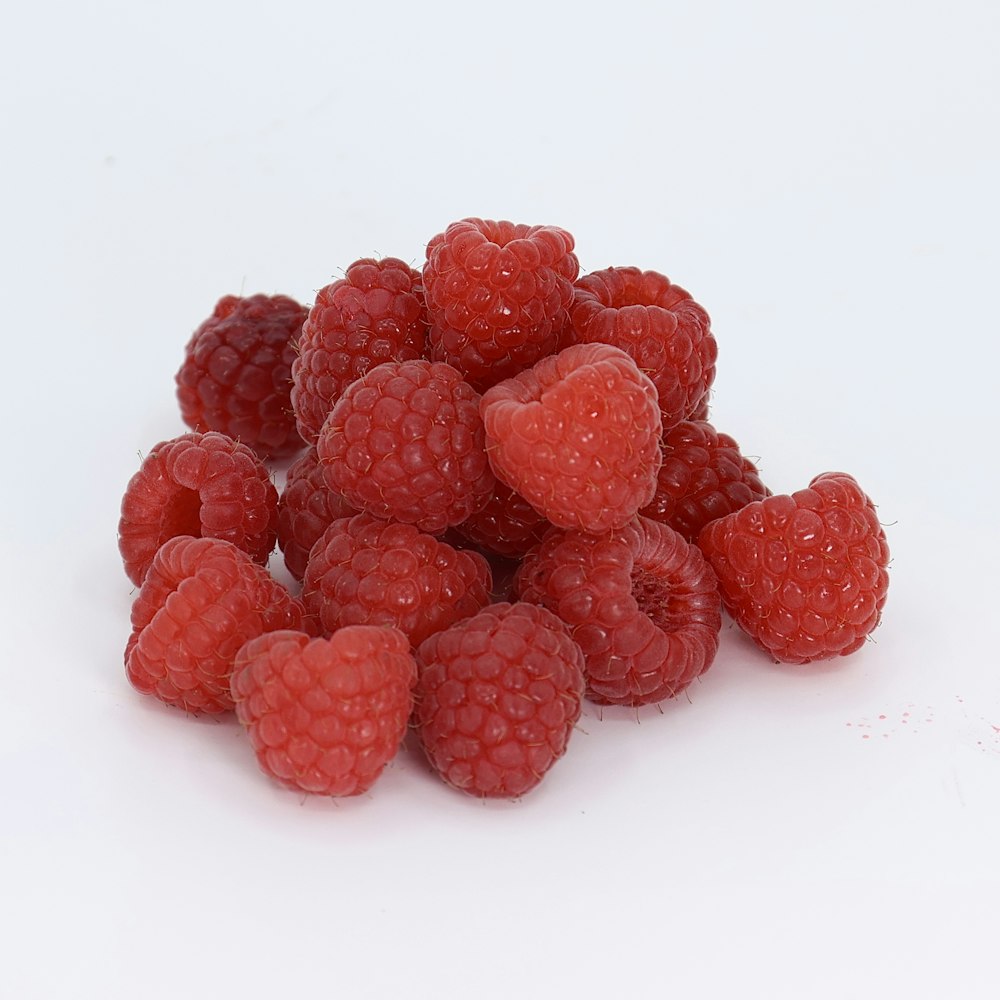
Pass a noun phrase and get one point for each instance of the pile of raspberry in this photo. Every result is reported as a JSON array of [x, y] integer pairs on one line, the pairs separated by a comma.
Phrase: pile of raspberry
[[504, 497]]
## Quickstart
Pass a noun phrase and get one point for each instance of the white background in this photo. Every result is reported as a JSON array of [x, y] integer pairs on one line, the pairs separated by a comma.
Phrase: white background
[[822, 177]]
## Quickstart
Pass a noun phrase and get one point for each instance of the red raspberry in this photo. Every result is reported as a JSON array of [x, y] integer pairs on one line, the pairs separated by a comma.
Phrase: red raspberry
[[507, 526], [236, 375], [803, 575], [578, 436], [498, 296], [701, 410], [201, 485], [306, 508], [703, 477], [200, 601], [642, 603], [375, 314], [365, 571], [497, 699], [663, 329], [406, 442], [325, 715]]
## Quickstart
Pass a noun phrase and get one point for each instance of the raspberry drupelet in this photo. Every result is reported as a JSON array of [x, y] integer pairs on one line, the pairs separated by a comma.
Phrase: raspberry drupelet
[[703, 477], [306, 508], [406, 442], [376, 313], [325, 716], [660, 326], [641, 602], [507, 526], [578, 436], [497, 698], [200, 601], [366, 571], [498, 296], [805, 575], [236, 374], [201, 485]]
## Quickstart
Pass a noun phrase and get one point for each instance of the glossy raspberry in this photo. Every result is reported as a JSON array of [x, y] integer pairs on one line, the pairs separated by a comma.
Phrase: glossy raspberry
[[374, 314], [200, 601], [365, 571], [661, 327], [803, 575], [641, 602], [578, 436], [407, 442], [507, 526], [703, 477], [497, 699], [202, 485], [325, 715], [306, 508], [236, 374], [498, 295]]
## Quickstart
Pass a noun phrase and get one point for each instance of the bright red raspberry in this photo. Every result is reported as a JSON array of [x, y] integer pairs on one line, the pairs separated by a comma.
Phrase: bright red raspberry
[[365, 571], [406, 441], [306, 508], [200, 601], [201, 485], [660, 326], [236, 375], [578, 436], [325, 715], [641, 602], [498, 295], [507, 526], [703, 477], [374, 314], [497, 699], [803, 575]]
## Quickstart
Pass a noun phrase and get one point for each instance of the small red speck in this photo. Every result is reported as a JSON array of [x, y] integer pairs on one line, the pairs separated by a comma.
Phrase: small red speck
[[906, 715], [885, 736], [928, 720], [865, 736], [881, 716], [906, 722], [848, 723]]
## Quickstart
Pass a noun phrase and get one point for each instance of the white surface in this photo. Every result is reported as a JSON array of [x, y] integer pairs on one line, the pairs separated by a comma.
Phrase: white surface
[[822, 177]]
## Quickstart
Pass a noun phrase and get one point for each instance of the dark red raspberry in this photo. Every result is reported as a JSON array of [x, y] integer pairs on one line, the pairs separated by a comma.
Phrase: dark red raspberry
[[200, 601], [325, 715], [703, 477], [202, 485], [406, 442], [578, 436], [374, 314], [803, 575], [497, 699], [306, 508], [641, 602], [701, 410], [365, 571], [498, 295], [236, 375], [507, 526], [663, 329]]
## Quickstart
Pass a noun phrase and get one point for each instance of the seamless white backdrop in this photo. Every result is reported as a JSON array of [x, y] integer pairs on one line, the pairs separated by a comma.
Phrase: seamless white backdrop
[[822, 177]]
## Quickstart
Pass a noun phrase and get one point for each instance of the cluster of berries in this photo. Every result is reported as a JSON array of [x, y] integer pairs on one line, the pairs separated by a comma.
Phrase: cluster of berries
[[491, 428]]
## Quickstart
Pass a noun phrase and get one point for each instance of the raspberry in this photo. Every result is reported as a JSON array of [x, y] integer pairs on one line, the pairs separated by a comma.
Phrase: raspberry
[[803, 575], [406, 442], [200, 601], [365, 571], [703, 477], [497, 699], [507, 526], [236, 375], [700, 412], [641, 602], [306, 508], [661, 327], [577, 436], [201, 485], [498, 296], [325, 715], [375, 314]]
